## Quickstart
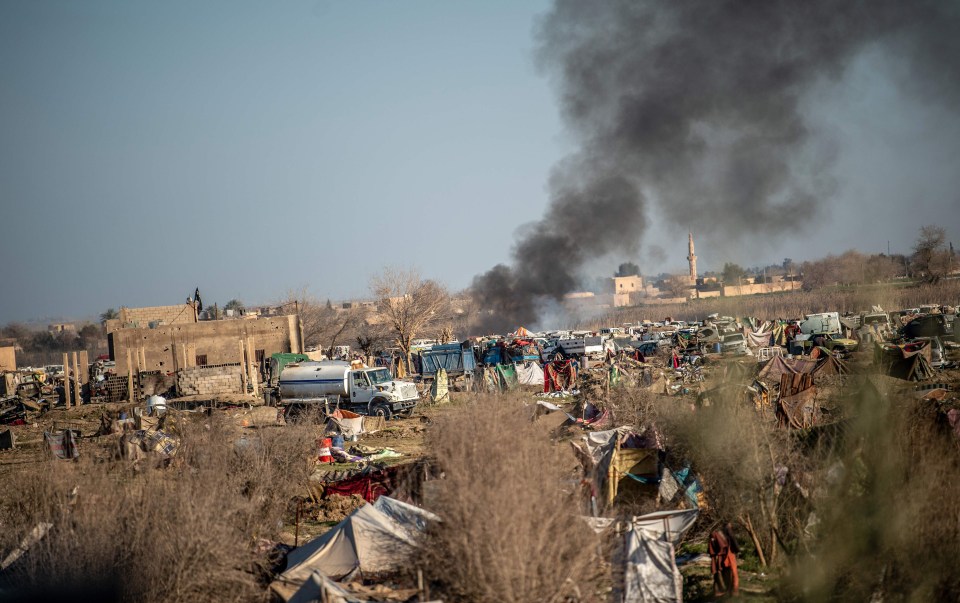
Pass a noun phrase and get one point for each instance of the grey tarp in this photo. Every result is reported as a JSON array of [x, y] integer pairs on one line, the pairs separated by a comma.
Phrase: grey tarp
[[669, 526], [651, 574], [375, 538]]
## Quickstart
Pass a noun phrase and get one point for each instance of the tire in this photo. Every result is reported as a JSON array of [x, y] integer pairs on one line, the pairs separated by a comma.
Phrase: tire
[[381, 410]]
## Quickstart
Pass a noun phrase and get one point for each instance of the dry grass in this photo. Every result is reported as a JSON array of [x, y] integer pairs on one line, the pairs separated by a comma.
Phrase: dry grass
[[186, 532], [510, 531]]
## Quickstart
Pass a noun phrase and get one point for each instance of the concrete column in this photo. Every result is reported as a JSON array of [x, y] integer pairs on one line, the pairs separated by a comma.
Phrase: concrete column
[[243, 370], [130, 393], [76, 371], [66, 379], [143, 358], [84, 367], [251, 366]]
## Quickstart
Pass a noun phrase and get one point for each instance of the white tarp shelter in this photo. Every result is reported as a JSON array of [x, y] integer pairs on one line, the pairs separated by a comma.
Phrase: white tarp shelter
[[374, 538], [529, 373]]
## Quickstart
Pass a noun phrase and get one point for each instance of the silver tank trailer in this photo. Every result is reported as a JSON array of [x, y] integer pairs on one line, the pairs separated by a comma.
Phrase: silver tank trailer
[[315, 379]]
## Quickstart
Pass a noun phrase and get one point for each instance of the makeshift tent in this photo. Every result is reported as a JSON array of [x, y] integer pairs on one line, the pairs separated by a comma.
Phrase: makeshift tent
[[608, 457], [778, 366], [797, 406], [375, 538], [902, 363], [559, 375], [759, 339], [529, 373], [522, 332]]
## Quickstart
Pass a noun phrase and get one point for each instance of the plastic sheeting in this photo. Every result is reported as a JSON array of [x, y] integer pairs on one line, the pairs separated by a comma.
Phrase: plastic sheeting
[[650, 573], [669, 526]]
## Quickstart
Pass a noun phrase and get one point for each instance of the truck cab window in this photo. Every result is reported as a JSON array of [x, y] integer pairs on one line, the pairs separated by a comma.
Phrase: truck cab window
[[360, 380]]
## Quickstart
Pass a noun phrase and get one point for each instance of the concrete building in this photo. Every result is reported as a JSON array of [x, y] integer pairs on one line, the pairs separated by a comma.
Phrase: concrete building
[[170, 347], [8, 358], [152, 315]]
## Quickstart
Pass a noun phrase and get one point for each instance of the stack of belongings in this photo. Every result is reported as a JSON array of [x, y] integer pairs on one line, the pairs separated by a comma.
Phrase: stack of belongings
[[149, 436]]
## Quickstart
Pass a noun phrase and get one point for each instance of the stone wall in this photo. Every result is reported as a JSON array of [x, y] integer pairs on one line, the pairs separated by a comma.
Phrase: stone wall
[[209, 381]]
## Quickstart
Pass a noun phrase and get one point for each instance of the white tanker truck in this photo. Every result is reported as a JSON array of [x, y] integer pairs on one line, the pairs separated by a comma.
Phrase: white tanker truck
[[370, 391]]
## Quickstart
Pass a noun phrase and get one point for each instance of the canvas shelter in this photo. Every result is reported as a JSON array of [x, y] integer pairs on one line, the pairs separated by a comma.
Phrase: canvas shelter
[[778, 366], [375, 538], [529, 373], [912, 364]]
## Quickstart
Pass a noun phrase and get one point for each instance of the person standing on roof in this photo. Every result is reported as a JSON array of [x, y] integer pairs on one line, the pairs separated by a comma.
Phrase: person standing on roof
[[723, 549]]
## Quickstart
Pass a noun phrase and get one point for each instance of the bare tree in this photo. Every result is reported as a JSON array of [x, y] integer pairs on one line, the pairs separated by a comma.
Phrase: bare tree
[[409, 305], [324, 325], [677, 286], [931, 258]]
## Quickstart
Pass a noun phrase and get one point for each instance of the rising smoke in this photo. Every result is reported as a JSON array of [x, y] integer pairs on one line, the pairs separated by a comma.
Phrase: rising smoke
[[698, 107]]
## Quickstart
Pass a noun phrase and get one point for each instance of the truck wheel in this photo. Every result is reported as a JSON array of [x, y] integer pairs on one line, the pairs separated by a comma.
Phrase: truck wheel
[[382, 410]]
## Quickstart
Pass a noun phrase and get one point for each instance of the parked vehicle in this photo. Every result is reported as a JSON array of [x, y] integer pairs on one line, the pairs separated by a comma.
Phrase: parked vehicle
[[734, 343], [820, 324], [580, 346], [334, 384], [456, 359]]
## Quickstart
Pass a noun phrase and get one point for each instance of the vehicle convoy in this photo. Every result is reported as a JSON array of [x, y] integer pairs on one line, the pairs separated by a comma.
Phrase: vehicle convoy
[[335, 384]]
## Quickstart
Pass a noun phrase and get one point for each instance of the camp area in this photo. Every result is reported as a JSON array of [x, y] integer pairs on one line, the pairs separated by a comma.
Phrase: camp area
[[438, 475]]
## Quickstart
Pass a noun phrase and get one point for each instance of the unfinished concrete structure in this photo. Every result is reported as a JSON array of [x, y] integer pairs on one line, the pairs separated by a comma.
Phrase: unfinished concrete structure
[[152, 316], [8, 358], [172, 347]]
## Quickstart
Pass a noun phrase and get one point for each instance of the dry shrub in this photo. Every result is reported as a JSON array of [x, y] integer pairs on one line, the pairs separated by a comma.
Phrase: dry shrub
[[186, 532], [739, 455], [509, 530], [890, 510]]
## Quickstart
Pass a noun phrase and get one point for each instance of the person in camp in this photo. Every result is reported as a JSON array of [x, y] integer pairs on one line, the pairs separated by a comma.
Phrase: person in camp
[[723, 549]]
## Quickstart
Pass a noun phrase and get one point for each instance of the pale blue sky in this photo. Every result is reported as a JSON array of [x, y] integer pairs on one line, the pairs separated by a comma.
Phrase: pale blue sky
[[250, 148]]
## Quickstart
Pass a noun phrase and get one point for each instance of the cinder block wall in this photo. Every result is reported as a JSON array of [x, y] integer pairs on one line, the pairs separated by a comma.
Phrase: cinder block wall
[[142, 317], [209, 381]]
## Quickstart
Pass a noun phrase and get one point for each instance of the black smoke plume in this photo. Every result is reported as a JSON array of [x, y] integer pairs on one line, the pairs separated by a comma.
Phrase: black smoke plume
[[697, 106]]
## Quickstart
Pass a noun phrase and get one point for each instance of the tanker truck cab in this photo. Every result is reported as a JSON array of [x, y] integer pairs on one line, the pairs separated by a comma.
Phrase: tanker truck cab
[[370, 391]]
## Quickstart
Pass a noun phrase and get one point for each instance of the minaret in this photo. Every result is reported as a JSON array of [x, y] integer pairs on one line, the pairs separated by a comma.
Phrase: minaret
[[692, 258]]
